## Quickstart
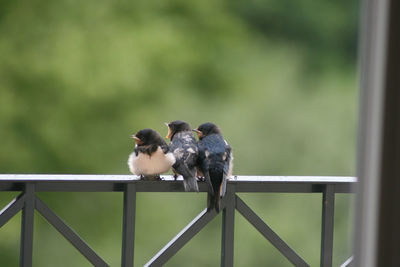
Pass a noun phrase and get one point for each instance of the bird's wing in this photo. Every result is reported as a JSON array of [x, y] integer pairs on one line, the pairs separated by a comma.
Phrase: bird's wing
[[182, 169], [227, 158], [204, 167], [191, 156]]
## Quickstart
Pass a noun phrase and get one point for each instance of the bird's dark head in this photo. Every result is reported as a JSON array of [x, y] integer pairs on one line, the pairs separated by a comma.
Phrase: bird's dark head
[[207, 129], [176, 127], [146, 137]]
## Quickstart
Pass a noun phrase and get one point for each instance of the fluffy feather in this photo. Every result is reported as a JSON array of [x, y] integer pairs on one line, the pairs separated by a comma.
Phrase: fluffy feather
[[144, 164], [151, 156]]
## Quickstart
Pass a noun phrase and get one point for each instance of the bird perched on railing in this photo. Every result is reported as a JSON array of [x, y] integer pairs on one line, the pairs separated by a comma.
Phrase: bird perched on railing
[[151, 156], [214, 161], [184, 147]]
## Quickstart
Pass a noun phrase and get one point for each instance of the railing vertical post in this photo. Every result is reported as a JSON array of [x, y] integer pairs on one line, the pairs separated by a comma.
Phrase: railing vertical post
[[228, 223], [328, 208], [128, 227], [26, 246]]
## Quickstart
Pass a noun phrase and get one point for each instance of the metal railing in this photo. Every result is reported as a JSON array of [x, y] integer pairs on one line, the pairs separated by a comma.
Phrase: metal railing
[[28, 201]]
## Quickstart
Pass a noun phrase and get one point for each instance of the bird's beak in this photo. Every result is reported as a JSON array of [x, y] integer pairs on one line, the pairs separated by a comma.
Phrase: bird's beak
[[137, 139], [169, 134], [199, 133], [167, 124]]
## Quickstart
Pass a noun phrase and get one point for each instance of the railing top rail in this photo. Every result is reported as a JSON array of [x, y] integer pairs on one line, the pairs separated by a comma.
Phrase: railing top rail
[[166, 178], [117, 183]]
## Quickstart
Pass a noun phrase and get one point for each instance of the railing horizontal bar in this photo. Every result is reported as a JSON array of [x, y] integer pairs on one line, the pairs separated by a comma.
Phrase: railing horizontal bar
[[268, 233], [7, 186], [182, 238], [73, 186], [345, 188], [170, 186], [11, 209], [279, 187], [69, 234], [68, 177], [129, 178], [116, 183]]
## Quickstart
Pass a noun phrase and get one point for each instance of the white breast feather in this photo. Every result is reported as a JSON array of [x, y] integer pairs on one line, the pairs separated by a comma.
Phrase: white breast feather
[[143, 164]]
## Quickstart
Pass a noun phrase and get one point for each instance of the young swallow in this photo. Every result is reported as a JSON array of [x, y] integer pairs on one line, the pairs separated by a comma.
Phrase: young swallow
[[214, 161], [184, 147], [151, 156]]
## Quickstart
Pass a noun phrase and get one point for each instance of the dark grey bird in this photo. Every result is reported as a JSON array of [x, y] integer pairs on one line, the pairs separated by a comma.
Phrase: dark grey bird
[[151, 156], [215, 161], [184, 147]]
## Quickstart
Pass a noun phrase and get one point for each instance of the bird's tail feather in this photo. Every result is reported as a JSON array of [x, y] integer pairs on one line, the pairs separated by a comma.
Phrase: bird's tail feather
[[214, 202], [222, 189], [189, 177], [218, 204]]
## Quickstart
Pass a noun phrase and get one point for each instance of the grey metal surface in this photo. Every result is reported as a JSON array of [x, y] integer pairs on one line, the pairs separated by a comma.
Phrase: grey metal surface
[[128, 226], [69, 234], [26, 245], [328, 209], [182, 238], [268, 233], [378, 78], [388, 236]]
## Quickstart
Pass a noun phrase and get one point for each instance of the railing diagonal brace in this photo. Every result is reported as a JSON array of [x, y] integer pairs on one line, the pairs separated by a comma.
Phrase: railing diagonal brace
[[182, 238], [69, 234], [268, 233], [348, 262], [11, 209]]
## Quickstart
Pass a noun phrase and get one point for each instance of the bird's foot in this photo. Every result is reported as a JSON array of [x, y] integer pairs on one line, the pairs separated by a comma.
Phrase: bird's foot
[[201, 179]]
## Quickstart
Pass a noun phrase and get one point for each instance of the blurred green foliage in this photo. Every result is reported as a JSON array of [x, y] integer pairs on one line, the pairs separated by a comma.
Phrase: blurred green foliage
[[78, 77]]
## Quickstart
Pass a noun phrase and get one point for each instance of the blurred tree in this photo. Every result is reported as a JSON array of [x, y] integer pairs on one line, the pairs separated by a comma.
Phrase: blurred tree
[[324, 30]]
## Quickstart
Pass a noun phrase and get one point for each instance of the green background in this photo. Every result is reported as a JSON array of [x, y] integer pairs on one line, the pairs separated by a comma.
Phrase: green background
[[77, 78]]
